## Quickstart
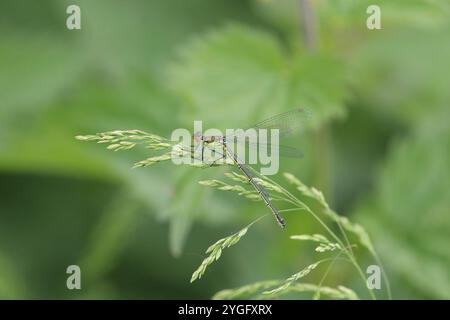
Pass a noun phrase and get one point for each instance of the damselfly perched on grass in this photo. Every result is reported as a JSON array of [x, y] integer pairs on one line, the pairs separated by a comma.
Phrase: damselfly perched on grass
[[223, 154], [283, 125]]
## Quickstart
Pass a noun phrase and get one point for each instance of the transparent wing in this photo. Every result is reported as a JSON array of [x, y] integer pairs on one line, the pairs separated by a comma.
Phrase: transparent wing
[[288, 122], [284, 151]]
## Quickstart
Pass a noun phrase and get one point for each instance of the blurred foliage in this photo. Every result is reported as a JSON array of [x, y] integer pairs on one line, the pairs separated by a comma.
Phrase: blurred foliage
[[381, 97], [245, 71]]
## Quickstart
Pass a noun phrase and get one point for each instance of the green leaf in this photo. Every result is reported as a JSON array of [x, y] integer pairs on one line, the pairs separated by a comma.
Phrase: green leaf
[[247, 72], [109, 238], [318, 83], [184, 208], [34, 71], [12, 285]]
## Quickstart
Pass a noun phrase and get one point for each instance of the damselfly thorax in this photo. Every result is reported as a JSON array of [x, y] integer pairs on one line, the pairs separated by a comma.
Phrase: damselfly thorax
[[198, 137]]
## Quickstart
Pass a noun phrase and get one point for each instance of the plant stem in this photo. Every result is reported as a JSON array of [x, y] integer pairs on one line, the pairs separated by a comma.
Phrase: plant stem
[[308, 27], [345, 248], [322, 137], [385, 277], [330, 266]]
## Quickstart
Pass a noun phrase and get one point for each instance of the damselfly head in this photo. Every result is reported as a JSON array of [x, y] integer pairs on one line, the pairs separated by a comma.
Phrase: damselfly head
[[198, 137]]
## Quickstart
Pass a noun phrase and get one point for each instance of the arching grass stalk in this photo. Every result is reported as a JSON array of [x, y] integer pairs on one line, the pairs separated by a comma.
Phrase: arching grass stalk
[[346, 247], [280, 193], [215, 251]]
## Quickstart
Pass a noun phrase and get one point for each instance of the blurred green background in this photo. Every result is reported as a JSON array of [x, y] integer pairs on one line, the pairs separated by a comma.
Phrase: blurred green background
[[378, 143]]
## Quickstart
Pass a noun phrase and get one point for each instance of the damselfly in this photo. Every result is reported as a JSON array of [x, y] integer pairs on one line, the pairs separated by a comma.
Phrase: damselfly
[[286, 123]]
